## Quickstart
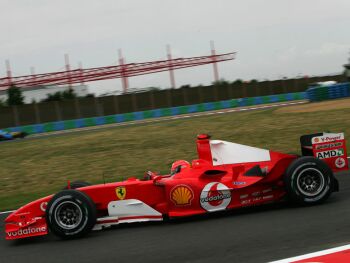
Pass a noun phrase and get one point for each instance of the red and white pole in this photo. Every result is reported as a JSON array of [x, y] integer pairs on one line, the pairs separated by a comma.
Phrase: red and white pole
[[81, 75], [215, 66], [171, 71], [66, 59], [32, 73], [125, 81], [9, 73]]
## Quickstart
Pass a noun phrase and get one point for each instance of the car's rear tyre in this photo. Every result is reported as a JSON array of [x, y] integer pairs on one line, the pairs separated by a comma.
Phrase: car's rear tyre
[[77, 184], [71, 214], [308, 181]]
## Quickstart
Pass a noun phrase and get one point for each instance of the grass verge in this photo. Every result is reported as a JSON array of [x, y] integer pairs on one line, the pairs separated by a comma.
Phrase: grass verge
[[33, 168]]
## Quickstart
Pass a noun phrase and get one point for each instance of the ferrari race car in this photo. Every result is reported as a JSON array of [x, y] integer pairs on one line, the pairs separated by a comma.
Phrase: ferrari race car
[[225, 176], [11, 135]]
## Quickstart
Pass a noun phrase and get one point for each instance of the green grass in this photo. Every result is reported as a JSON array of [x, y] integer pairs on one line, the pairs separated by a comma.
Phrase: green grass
[[32, 168]]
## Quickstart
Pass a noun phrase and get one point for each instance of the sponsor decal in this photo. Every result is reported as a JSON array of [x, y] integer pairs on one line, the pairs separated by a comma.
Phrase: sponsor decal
[[251, 201], [328, 138], [258, 198], [181, 195], [43, 206], [330, 154], [267, 197], [121, 192], [328, 145], [239, 183], [243, 196], [256, 194], [267, 190], [246, 202], [340, 162], [215, 196], [27, 231]]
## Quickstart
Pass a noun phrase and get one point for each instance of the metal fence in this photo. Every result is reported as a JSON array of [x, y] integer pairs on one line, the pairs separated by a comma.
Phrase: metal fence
[[156, 113], [102, 106]]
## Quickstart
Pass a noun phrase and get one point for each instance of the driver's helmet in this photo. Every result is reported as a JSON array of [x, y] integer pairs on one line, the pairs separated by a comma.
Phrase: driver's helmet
[[179, 165]]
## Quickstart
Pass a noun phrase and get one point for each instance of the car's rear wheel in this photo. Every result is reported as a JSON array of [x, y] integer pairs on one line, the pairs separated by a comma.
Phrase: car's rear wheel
[[308, 181], [71, 214]]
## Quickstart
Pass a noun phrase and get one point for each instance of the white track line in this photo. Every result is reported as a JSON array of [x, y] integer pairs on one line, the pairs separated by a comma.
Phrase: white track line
[[314, 254]]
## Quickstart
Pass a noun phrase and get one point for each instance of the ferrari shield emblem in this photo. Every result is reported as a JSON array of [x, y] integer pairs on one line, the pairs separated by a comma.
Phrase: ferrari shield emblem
[[121, 192]]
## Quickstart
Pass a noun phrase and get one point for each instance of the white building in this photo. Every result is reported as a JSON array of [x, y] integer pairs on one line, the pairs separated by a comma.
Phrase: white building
[[40, 93]]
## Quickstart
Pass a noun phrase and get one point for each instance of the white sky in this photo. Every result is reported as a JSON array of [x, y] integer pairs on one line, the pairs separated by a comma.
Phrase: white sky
[[273, 38]]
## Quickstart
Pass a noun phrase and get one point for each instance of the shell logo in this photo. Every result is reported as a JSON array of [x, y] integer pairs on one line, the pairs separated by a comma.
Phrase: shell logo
[[181, 195]]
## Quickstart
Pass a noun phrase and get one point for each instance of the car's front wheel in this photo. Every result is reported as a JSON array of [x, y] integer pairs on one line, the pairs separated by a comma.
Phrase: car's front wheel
[[309, 181], [71, 214]]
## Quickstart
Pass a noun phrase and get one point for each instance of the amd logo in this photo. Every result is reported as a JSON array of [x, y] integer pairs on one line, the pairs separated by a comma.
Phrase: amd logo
[[330, 154]]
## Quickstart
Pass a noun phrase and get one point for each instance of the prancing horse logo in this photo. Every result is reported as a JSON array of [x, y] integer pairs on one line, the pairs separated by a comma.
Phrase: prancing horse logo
[[121, 192]]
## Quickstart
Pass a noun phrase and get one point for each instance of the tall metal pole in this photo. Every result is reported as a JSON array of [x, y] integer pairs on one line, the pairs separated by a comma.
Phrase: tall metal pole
[[32, 72], [215, 66], [347, 69], [9, 73], [171, 71], [81, 76], [125, 82], [66, 59]]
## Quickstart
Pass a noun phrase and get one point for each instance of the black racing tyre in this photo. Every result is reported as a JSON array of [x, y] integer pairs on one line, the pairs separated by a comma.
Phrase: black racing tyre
[[77, 184], [71, 214], [308, 181]]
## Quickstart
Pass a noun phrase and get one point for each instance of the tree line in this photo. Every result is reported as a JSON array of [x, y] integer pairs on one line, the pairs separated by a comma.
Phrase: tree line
[[15, 96]]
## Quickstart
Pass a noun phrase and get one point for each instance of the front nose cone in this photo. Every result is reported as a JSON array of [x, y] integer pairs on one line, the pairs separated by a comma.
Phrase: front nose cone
[[10, 218]]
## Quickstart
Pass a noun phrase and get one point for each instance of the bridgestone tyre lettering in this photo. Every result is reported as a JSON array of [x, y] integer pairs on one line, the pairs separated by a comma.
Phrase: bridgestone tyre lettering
[[308, 181], [70, 214]]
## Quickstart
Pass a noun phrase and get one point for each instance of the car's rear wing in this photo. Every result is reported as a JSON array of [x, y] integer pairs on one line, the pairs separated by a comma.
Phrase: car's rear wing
[[330, 147]]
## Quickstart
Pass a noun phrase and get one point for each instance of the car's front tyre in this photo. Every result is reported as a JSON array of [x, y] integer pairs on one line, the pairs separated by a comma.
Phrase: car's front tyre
[[71, 214]]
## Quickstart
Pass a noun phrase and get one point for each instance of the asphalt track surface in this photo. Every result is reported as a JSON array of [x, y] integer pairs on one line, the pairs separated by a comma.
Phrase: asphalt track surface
[[259, 234]]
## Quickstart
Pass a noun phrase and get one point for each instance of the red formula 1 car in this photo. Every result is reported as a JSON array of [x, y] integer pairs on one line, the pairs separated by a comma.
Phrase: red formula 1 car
[[225, 176]]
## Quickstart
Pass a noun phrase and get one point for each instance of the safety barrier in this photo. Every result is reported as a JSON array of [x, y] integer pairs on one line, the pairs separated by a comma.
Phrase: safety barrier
[[156, 113], [334, 91]]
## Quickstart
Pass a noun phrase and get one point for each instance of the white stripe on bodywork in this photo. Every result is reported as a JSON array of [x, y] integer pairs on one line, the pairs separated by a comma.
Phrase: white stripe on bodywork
[[230, 153], [127, 211], [131, 207]]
